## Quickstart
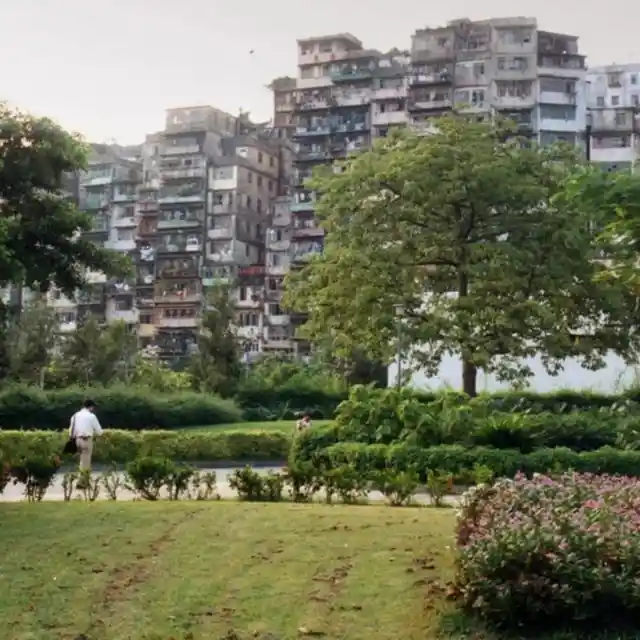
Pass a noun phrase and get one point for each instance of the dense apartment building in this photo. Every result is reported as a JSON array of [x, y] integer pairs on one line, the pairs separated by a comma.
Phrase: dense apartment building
[[108, 191], [506, 66], [614, 115], [344, 96]]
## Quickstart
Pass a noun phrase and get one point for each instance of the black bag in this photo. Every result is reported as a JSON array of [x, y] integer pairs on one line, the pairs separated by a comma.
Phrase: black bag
[[70, 447]]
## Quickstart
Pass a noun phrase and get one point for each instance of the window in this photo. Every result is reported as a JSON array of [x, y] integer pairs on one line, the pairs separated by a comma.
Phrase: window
[[259, 182], [621, 119], [249, 177], [249, 202], [230, 198], [306, 73], [326, 47], [614, 79], [271, 161], [635, 100], [124, 305], [218, 199], [273, 284], [600, 101], [146, 318], [242, 294], [274, 258], [123, 235], [260, 157], [615, 101], [275, 309], [259, 206], [633, 78], [270, 185]]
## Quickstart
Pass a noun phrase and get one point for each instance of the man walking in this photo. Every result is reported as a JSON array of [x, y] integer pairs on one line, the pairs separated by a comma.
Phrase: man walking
[[83, 429]]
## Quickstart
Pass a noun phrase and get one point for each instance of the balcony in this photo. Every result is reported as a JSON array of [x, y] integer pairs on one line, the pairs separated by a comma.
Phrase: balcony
[[279, 321], [181, 149], [564, 98], [99, 225], [352, 126], [185, 193], [183, 173], [351, 98], [303, 202], [124, 196], [124, 244], [311, 104], [221, 233], [177, 295], [425, 79], [302, 253], [395, 93], [129, 316], [191, 245], [613, 120], [307, 229], [179, 220], [148, 207], [147, 230], [350, 74], [120, 288], [313, 155], [96, 178], [177, 322], [183, 269], [277, 269], [389, 118], [93, 201], [322, 129], [514, 101], [426, 104], [562, 66]]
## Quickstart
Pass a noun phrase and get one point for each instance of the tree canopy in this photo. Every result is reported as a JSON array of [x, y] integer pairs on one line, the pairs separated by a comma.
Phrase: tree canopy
[[39, 221], [475, 235]]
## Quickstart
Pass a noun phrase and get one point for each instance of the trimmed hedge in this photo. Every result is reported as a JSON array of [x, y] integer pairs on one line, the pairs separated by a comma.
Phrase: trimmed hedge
[[288, 403], [124, 446], [461, 461], [121, 407]]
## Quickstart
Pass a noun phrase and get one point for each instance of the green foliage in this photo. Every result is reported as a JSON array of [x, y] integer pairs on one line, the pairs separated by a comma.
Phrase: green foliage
[[256, 487], [39, 246], [119, 407], [31, 337], [471, 211], [398, 487], [36, 471], [216, 367], [462, 463], [124, 446], [97, 354], [147, 476], [154, 374]]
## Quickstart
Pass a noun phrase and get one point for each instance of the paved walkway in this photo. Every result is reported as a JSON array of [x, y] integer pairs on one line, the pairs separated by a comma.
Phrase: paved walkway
[[14, 493]]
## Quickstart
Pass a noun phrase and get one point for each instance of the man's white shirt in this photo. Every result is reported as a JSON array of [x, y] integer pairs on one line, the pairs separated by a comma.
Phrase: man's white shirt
[[84, 424]]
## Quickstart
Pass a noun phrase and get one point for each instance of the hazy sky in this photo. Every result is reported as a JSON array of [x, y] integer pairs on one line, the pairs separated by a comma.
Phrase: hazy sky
[[109, 69]]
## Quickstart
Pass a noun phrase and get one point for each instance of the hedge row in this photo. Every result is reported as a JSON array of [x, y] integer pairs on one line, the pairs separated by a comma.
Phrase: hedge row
[[124, 446], [286, 403], [118, 407], [463, 462]]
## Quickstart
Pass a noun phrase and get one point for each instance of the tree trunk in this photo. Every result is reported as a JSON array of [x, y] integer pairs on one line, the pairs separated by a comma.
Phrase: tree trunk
[[469, 378], [469, 370]]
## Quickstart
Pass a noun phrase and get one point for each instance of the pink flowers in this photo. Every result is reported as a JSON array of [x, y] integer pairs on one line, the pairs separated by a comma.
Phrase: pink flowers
[[548, 550]]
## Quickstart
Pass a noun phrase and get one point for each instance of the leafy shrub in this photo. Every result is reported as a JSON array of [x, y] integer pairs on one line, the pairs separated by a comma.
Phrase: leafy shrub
[[536, 553], [463, 462], [203, 486], [398, 487], [36, 473], [118, 407], [125, 446], [146, 476], [249, 484], [303, 481]]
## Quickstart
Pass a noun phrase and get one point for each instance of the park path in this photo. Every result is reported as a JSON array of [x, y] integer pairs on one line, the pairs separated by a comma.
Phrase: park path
[[14, 493]]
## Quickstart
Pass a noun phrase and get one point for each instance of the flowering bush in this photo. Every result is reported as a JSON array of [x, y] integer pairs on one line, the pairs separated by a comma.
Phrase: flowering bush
[[545, 551]]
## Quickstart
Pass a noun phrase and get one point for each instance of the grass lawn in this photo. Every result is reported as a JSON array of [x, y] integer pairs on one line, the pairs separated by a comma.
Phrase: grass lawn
[[285, 426], [190, 570]]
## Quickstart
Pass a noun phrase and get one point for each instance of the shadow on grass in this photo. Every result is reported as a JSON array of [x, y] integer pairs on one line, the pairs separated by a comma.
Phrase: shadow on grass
[[456, 625]]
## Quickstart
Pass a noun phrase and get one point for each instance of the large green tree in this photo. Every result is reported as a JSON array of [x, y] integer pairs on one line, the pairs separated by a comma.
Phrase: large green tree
[[97, 354], [470, 233], [216, 366], [39, 244]]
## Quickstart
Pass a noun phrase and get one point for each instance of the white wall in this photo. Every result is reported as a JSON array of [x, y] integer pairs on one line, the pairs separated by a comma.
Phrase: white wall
[[614, 378]]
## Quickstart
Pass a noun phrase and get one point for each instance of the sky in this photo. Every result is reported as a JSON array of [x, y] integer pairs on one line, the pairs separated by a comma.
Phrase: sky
[[109, 69]]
